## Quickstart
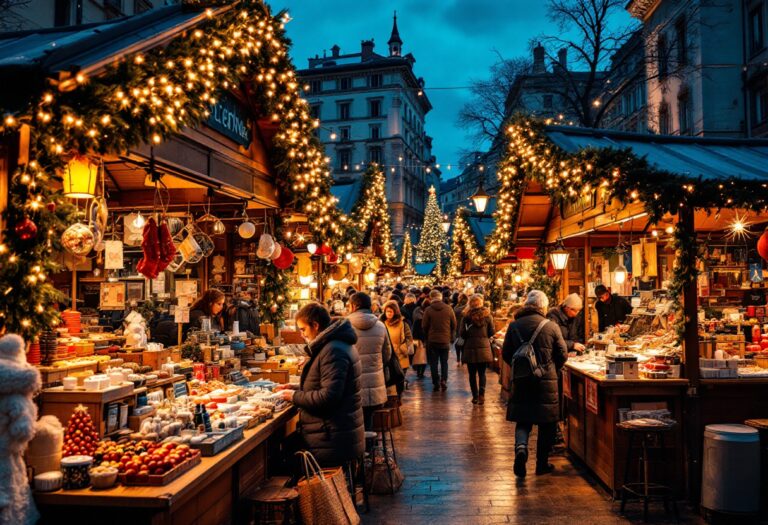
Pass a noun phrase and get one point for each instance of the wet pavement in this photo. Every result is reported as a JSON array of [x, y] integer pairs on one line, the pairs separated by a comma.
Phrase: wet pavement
[[457, 458]]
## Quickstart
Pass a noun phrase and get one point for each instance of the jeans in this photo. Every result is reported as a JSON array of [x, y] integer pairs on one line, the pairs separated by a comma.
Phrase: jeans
[[477, 370], [437, 353], [544, 442]]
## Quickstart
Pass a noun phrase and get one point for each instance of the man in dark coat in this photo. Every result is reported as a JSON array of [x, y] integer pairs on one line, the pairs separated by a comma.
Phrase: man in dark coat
[[328, 397], [535, 401], [612, 309], [439, 324], [568, 319]]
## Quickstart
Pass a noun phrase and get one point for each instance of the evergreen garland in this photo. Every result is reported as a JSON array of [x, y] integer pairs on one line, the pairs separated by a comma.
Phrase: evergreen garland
[[463, 245], [433, 237]]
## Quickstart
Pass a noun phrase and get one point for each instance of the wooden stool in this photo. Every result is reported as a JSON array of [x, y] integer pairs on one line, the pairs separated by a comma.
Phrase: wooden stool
[[273, 505], [382, 426], [645, 490]]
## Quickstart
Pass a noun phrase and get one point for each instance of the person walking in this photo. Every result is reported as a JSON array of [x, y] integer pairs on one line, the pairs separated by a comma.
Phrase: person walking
[[408, 308], [420, 340], [374, 349], [329, 394], [534, 400], [476, 330], [399, 334], [439, 324], [461, 304]]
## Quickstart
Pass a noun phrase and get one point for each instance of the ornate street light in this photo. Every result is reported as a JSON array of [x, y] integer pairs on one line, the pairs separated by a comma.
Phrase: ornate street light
[[481, 198], [559, 256]]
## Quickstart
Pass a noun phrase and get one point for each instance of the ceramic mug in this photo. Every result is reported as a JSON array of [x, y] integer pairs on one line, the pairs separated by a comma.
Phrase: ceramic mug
[[190, 249]]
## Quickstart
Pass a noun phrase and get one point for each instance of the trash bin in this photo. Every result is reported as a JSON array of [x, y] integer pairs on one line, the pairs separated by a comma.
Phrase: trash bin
[[731, 469]]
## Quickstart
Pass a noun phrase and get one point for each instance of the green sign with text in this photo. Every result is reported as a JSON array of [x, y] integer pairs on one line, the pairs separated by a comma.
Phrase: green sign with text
[[230, 119]]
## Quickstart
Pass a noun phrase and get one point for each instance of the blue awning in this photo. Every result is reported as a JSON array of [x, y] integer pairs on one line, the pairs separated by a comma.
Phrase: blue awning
[[347, 193], [424, 268], [694, 157]]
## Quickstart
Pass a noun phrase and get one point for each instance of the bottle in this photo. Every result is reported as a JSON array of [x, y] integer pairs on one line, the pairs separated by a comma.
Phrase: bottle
[[756, 334], [206, 419]]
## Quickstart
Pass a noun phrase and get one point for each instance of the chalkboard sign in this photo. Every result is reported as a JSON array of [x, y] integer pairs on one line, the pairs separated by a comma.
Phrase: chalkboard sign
[[237, 378], [180, 389]]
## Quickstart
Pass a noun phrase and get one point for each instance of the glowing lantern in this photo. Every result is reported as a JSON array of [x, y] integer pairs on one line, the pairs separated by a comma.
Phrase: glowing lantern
[[80, 177]]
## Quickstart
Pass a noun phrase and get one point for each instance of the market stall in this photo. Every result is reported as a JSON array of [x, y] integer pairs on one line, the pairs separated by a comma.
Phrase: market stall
[[672, 226]]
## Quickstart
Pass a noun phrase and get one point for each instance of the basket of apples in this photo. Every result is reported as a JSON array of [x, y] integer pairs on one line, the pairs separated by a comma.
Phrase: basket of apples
[[147, 463]]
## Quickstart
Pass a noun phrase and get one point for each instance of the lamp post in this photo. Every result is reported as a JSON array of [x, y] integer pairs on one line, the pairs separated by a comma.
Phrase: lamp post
[[480, 198]]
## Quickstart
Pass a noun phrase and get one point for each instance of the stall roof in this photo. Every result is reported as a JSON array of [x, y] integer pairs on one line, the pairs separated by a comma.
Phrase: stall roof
[[710, 158], [424, 268], [347, 193], [481, 228]]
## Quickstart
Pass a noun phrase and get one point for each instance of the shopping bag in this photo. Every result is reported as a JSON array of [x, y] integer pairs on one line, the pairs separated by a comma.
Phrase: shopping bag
[[323, 495], [396, 416], [420, 354]]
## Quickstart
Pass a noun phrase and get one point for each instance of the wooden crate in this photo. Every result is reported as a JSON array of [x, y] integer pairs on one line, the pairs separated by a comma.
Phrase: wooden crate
[[155, 359], [168, 476], [278, 376], [61, 403], [50, 374], [131, 357]]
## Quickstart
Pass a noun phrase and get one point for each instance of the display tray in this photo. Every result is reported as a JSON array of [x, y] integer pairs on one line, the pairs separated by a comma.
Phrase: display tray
[[158, 480], [212, 446]]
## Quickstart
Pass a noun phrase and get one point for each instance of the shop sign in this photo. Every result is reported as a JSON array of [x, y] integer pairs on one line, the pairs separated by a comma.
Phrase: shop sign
[[567, 384], [580, 205], [231, 120], [591, 396]]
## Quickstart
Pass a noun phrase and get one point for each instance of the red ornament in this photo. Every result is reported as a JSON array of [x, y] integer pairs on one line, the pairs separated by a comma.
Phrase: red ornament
[[551, 272], [285, 260], [762, 245], [51, 206], [26, 229], [324, 249]]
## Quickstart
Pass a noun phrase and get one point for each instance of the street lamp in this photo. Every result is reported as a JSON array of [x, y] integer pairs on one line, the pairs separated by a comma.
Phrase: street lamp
[[480, 198], [446, 224]]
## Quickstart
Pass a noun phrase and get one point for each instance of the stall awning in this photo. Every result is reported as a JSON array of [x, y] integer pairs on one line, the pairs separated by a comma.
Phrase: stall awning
[[424, 268], [710, 158], [481, 227], [347, 193]]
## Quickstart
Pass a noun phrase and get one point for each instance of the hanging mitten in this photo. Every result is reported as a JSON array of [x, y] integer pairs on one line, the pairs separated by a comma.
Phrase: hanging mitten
[[167, 248], [149, 264]]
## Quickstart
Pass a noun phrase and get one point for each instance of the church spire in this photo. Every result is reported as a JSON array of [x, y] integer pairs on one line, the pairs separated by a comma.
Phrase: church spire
[[395, 43]]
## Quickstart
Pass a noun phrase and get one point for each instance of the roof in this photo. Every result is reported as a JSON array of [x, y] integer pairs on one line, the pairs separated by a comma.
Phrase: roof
[[28, 57], [424, 268], [481, 227], [347, 193], [695, 157]]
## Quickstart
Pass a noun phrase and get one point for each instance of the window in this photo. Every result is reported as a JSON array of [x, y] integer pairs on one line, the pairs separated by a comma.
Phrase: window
[[664, 118], [374, 108], [345, 159], [344, 133], [316, 86], [375, 132], [374, 154], [314, 110], [374, 81], [345, 83], [661, 57], [756, 34], [684, 113], [759, 104], [681, 43], [344, 110], [547, 101]]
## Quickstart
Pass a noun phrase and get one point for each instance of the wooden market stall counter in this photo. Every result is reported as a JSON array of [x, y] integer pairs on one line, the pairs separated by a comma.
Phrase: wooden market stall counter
[[592, 405], [207, 494]]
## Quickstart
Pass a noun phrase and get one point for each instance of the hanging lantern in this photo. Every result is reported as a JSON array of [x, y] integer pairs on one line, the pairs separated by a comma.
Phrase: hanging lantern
[[559, 257], [480, 198], [246, 230], [370, 277], [79, 180], [219, 228], [446, 224], [620, 274], [762, 245]]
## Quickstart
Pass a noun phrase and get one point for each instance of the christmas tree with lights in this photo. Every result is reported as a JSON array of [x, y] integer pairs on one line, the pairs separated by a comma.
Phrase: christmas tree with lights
[[432, 235], [406, 258]]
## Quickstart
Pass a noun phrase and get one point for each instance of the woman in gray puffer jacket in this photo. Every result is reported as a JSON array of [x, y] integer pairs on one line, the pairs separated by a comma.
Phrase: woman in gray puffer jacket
[[535, 401], [476, 330]]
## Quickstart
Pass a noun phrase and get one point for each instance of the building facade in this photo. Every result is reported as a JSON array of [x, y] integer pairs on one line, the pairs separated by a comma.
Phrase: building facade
[[628, 110], [372, 108], [20, 15], [756, 67], [695, 57]]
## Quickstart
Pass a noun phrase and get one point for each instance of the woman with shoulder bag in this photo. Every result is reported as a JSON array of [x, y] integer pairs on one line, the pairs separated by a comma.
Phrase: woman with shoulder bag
[[476, 331], [420, 345], [399, 333]]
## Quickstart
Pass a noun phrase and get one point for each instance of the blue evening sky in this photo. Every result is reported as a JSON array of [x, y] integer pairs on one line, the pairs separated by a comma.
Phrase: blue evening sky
[[453, 41]]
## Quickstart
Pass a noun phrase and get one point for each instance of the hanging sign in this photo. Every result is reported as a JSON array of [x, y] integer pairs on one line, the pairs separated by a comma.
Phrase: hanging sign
[[113, 255], [591, 395], [230, 119]]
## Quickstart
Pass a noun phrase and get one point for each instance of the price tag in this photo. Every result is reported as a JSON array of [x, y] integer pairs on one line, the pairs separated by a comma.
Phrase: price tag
[[181, 315], [180, 389]]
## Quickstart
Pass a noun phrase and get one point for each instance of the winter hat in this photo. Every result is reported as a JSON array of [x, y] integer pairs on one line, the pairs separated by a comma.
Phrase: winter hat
[[12, 348], [285, 260], [573, 301]]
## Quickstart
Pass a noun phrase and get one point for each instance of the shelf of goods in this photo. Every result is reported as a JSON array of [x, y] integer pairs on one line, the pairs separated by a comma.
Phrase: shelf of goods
[[208, 493]]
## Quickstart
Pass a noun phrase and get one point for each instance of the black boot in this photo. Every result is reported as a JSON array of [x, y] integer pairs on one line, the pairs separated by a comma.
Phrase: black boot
[[521, 457]]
